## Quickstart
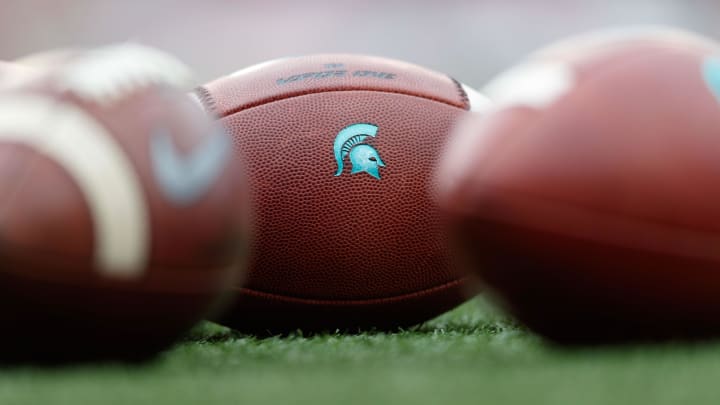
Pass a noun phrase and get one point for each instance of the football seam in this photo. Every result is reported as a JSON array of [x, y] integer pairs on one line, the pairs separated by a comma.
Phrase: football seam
[[353, 302], [206, 99], [211, 104], [595, 214], [463, 95]]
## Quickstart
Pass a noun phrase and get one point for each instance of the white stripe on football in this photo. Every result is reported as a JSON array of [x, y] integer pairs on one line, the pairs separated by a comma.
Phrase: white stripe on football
[[108, 74], [99, 167]]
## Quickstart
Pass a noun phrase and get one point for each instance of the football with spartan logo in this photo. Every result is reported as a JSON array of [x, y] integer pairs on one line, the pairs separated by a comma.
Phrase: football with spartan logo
[[588, 198], [122, 209], [341, 152]]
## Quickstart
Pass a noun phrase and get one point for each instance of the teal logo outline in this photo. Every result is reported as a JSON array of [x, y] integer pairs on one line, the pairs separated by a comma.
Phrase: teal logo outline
[[711, 74], [350, 141]]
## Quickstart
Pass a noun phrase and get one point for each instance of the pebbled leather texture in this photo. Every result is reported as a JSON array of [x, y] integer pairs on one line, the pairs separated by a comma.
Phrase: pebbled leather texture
[[349, 251]]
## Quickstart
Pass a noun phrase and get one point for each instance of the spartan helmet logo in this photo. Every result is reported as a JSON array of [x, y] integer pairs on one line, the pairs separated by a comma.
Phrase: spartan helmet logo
[[364, 158]]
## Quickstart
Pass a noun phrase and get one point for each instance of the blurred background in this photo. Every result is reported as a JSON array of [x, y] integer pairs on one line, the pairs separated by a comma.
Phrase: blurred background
[[470, 40]]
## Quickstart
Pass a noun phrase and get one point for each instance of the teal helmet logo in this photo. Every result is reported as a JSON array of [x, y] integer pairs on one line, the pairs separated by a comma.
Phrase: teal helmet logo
[[350, 141]]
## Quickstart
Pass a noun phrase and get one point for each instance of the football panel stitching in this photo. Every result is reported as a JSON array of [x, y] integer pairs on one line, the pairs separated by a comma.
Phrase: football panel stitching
[[461, 92], [212, 102], [206, 99], [369, 301]]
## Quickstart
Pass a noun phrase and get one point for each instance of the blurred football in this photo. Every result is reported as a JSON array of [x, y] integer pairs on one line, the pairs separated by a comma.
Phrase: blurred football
[[587, 198], [122, 209], [341, 152], [49, 58], [14, 75]]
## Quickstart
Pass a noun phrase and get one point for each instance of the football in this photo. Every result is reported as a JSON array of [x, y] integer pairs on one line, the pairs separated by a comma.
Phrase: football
[[123, 213], [586, 199], [13, 74], [341, 152], [49, 58]]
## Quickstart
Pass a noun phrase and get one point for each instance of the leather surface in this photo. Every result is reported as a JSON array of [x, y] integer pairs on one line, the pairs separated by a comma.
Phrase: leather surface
[[205, 232], [47, 239], [596, 217], [291, 77], [47, 212], [348, 251]]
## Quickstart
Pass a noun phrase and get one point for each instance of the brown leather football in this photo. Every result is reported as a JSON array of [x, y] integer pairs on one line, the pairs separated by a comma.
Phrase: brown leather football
[[341, 151], [587, 200], [122, 209]]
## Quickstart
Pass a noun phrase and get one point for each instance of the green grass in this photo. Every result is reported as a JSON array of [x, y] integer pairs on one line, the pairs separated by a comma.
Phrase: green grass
[[473, 355]]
